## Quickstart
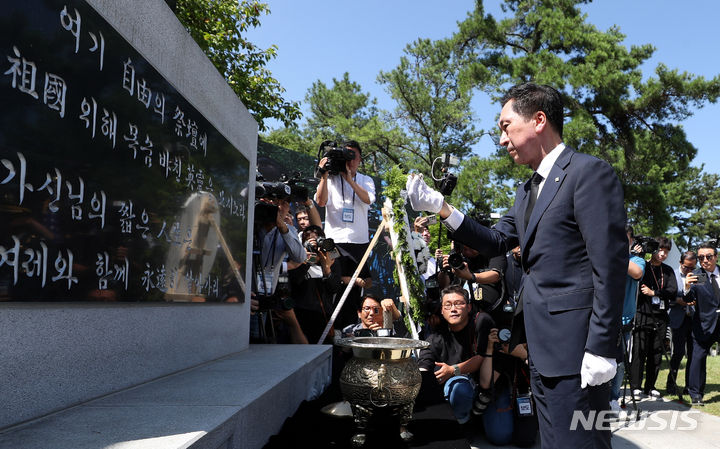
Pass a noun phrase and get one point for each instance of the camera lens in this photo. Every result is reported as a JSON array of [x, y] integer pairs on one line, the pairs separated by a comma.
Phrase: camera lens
[[456, 261], [326, 244]]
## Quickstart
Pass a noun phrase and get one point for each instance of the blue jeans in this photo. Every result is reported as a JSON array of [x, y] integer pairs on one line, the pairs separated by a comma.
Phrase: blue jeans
[[460, 392], [498, 419]]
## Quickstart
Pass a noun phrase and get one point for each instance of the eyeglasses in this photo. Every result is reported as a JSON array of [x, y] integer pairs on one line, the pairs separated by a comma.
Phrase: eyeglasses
[[367, 309], [702, 257], [456, 304]]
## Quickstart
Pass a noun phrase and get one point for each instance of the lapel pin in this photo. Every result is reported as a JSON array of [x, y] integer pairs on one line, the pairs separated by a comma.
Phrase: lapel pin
[[557, 179]]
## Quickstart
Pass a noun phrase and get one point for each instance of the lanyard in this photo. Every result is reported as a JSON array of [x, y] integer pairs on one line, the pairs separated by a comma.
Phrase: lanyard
[[272, 248], [660, 284], [342, 186]]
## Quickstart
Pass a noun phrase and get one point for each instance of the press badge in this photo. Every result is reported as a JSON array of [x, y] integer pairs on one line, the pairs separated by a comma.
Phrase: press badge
[[524, 405], [268, 275], [348, 215]]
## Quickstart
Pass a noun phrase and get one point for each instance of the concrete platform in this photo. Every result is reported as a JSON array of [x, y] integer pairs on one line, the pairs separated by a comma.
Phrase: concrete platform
[[238, 401], [662, 424]]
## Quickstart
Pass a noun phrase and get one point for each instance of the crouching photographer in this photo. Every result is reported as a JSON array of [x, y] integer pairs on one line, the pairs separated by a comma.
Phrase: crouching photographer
[[314, 283], [483, 278], [504, 398], [275, 245]]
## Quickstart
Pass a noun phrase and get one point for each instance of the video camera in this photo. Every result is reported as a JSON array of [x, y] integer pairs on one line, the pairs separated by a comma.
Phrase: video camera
[[298, 186], [337, 156], [648, 245], [290, 189]]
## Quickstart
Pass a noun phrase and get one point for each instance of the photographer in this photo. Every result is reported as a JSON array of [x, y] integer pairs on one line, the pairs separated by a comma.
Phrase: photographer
[[482, 277], [703, 288], [635, 271], [313, 284], [504, 379], [453, 354], [346, 196], [657, 288], [370, 319], [680, 320], [306, 214], [275, 239]]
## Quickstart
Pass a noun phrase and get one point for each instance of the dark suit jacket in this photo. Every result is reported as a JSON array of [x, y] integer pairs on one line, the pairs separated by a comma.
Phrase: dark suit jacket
[[574, 252], [706, 316], [676, 312]]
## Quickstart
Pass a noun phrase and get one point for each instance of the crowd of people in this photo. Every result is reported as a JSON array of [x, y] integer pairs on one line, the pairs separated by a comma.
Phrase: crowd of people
[[552, 309]]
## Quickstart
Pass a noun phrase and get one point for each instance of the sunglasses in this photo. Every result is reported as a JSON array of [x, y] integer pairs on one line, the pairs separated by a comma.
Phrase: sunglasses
[[708, 257]]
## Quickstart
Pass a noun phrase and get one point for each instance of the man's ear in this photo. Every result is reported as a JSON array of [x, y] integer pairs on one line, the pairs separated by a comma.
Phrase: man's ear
[[540, 121]]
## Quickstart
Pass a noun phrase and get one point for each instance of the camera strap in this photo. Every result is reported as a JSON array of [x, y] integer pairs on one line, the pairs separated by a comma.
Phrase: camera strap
[[342, 189]]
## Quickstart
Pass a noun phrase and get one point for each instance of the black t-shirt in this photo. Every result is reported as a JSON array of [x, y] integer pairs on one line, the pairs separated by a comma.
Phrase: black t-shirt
[[660, 279], [456, 347]]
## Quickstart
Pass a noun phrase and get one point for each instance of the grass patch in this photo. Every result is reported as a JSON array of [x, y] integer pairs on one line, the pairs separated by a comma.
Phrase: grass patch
[[712, 387]]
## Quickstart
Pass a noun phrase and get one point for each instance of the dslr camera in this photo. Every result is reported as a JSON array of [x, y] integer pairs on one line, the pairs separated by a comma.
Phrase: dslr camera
[[337, 156], [648, 245], [504, 337], [323, 244], [455, 262]]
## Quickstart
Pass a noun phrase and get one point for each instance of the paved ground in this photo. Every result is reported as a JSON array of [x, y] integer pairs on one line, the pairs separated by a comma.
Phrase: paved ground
[[662, 424]]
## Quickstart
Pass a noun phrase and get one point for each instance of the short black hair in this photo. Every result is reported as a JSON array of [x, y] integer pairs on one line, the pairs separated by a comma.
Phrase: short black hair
[[629, 230], [353, 144], [688, 255], [531, 98], [708, 245], [664, 243], [314, 228], [368, 296], [456, 289]]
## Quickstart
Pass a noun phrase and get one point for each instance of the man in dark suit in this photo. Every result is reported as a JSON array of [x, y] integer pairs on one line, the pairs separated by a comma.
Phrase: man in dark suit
[[706, 294], [680, 314], [569, 220]]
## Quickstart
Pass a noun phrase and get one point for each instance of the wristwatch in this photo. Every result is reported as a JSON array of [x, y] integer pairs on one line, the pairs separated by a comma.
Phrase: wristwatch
[[456, 370]]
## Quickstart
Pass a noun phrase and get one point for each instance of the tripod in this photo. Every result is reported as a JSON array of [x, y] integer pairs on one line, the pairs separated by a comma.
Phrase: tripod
[[264, 317], [626, 377]]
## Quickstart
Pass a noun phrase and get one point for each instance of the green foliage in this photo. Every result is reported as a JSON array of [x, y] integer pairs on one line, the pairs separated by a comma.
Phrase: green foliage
[[395, 182], [218, 27], [611, 112], [433, 104]]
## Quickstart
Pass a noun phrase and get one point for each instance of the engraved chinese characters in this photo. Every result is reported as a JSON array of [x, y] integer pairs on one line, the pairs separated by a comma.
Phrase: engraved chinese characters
[[99, 154]]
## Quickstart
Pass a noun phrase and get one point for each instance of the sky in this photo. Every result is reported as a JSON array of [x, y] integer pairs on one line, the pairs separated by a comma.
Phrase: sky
[[322, 39]]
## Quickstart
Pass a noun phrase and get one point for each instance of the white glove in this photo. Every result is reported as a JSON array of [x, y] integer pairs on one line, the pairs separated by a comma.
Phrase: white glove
[[596, 370], [421, 196]]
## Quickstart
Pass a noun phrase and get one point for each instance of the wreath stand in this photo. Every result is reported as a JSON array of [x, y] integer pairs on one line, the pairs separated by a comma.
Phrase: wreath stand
[[387, 223]]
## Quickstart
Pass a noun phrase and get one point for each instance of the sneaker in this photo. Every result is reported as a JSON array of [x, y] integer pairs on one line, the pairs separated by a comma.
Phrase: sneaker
[[655, 394], [614, 406], [697, 402], [638, 393]]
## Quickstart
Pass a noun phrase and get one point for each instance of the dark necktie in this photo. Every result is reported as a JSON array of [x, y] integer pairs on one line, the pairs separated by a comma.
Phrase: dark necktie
[[715, 287], [534, 187]]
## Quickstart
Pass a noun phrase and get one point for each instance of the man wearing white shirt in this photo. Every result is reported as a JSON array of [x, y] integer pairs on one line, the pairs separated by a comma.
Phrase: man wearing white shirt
[[347, 198]]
